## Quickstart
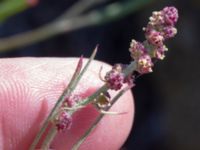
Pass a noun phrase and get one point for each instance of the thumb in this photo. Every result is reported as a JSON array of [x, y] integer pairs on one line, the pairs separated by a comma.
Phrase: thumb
[[29, 87]]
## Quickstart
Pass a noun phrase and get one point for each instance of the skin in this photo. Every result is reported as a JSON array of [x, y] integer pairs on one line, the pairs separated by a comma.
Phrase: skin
[[29, 87]]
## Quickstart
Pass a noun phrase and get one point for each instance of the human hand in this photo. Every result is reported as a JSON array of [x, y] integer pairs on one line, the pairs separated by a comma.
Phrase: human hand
[[29, 87]]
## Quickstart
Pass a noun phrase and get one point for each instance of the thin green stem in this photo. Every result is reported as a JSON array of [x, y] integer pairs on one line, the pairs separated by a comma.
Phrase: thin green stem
[[51, 134], [82, 139], [85, 67], [127, 71], [73, 83], [54, 110], [93, 96], [93, 126], [130, 68]]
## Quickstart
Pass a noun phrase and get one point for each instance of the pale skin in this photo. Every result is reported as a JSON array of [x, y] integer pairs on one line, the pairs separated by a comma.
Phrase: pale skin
[[30, 86]]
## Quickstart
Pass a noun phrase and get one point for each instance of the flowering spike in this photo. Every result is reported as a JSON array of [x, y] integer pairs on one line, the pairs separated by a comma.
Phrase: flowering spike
[[159, 28]]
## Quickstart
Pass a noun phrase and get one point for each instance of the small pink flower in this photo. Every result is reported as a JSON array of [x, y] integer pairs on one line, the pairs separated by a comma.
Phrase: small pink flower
[[72, 100], [144, 64], [64, 121], [169, 32], [158, 52], [156, 19], [114, 80], [136, 49], [170, 15], [155, 38]]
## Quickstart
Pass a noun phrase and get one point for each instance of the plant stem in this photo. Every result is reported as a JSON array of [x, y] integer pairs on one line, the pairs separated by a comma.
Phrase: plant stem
[[93, 126], [51, 134], [73, 83], [66, 92], [130, 68], [93, 96], [127, 71]]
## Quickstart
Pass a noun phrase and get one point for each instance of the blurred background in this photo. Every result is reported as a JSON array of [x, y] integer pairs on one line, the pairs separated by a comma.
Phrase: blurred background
[[167, 101]]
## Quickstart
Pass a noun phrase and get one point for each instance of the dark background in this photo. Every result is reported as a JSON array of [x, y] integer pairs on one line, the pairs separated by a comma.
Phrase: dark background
[[167, 101]]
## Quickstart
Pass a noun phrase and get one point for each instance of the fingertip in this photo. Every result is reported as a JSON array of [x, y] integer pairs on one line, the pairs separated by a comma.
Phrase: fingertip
[[43, 81]]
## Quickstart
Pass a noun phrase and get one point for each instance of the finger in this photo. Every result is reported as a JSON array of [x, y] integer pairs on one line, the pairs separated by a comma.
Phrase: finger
[[29, 88]]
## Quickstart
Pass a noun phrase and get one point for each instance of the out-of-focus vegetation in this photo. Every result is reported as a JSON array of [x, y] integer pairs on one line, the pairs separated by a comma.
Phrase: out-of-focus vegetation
[[70, 20], [9, 8]]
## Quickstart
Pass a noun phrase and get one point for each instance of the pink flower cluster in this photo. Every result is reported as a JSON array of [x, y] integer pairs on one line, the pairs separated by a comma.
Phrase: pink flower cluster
[[115, 78], [71, 100], [63, 121], [159, 28]]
